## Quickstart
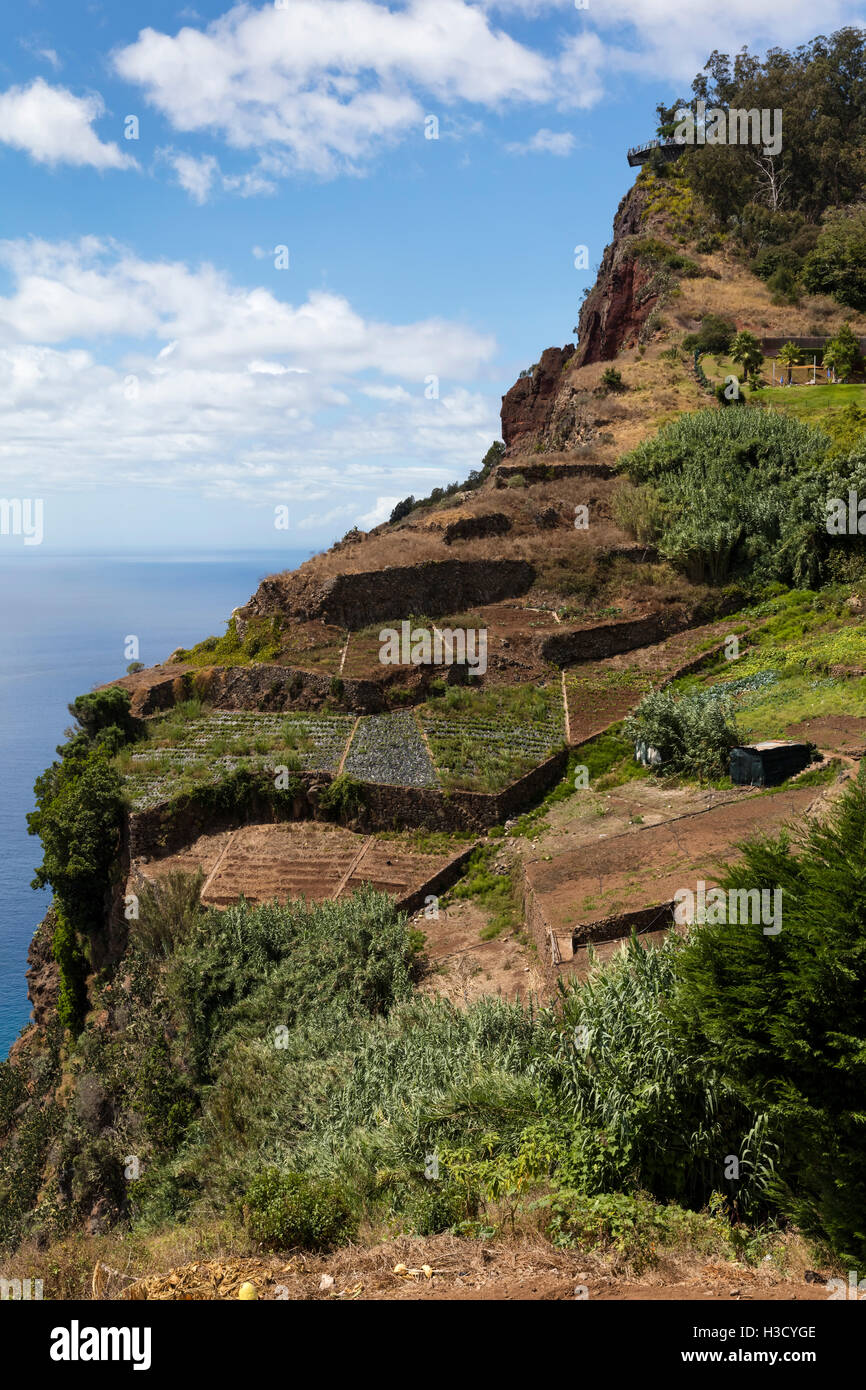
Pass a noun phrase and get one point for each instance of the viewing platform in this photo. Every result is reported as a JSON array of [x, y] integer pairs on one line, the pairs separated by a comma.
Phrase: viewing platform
[[639, 154]]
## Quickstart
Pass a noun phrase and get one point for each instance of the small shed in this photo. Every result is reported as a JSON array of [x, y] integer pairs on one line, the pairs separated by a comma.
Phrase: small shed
[[768, 764]]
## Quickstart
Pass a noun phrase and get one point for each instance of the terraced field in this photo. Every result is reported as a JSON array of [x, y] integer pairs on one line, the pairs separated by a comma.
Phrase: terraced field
[[200, 750], [484, 741], [480, 746], [389, 748], [299, 860]]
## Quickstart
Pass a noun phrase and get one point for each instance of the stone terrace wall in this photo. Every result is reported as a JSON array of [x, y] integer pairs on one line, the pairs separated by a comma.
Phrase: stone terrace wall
[[168, 828], [571, 645], [435, 588]]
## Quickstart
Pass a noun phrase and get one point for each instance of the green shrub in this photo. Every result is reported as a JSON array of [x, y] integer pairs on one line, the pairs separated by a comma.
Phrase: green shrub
[[288, 1210], [693, 734], [67, 952], [167, 910], [743, 494], [639, 511], [780, 1019], [78, 816], [612, 380], [715, 335], [439, 1207], [837, 265], [343, 798]]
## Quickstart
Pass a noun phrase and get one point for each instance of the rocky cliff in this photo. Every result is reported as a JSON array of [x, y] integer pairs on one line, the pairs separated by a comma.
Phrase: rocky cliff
[[618, 305], [544, 411]]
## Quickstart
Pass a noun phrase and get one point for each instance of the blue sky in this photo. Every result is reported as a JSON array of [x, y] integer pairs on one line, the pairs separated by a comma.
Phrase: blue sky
[[164, 384]]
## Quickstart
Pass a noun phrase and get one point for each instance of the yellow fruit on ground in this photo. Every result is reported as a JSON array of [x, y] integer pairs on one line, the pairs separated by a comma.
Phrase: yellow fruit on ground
[[248, 1290]]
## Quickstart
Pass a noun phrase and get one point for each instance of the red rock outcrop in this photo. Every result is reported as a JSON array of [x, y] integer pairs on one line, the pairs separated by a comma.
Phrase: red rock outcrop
[[616, 308], [528, 405]]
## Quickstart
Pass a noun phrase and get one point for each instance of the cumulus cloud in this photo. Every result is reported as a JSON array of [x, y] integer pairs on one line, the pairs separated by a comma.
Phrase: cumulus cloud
[[321, 82], [649, 36], [54, 126], [195, 175], [95, 289], [191, 380], [200, 175], [544, 142]]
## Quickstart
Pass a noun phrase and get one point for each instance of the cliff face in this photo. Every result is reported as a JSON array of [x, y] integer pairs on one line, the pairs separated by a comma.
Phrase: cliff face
[[544, 412], [527, 407], [616, 308]]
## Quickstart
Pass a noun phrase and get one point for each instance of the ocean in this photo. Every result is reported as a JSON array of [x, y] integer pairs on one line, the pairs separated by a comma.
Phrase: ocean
[[63, 624]]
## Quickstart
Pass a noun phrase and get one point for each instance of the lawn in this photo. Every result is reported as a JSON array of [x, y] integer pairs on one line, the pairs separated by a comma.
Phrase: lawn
[[811, 403]]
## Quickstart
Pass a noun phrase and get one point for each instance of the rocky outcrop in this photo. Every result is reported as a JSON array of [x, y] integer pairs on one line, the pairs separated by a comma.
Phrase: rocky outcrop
[[543, 412], [618, 305], [436, 588], [528, 407], [43, 972]]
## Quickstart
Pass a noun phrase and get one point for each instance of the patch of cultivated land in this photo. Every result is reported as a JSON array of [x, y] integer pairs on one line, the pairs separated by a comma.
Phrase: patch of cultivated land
[[600, 693], [462, 967], [390, 748], [299, 859], [576, 892], [208, 747]]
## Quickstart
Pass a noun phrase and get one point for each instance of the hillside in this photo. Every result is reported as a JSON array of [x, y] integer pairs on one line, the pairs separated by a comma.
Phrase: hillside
[[365, 943]]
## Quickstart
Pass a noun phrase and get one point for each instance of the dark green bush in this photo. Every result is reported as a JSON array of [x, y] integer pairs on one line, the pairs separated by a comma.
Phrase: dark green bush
[[612, 380], [714, 335], [780, 1019], [287, 1210], [693, 734], [440, 1207]]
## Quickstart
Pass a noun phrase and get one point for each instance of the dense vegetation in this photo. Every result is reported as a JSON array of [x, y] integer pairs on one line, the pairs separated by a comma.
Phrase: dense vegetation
[[276, 1063], [774, 205], [78, 818], [741, 494], [692, 735]]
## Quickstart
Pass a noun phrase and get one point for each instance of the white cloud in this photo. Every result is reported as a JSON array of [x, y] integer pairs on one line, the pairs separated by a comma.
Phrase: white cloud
[[94, 289], [544, 142], [321, 85], [54, 126], [199, 175], [226, 389], [322, 82], [195, 176], [655, 38], [382, 510]]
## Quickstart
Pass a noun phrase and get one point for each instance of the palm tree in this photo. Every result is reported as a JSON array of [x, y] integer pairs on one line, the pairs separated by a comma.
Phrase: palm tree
[[788, 356], [842, 353], [746, 350]]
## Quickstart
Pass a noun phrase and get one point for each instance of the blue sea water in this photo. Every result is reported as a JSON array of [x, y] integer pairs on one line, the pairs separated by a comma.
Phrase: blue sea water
[[63, 624]]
